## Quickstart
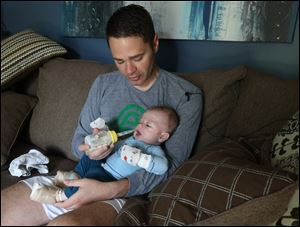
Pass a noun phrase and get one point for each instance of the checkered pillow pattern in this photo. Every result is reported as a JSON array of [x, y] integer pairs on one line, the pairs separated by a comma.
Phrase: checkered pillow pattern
[[223, 177]]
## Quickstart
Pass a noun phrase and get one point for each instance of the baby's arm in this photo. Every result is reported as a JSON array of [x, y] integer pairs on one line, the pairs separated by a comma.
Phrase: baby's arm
[[154, 162]]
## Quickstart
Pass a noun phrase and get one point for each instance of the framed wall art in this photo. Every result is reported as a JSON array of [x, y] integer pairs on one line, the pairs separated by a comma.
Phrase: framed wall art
[[250, 21]]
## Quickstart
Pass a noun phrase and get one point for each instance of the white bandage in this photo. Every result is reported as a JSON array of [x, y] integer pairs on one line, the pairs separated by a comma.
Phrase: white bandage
[[135, 157], [145, 160], [98, 123]]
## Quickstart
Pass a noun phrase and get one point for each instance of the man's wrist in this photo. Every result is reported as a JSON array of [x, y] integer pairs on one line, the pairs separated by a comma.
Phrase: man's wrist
[[122, 188]]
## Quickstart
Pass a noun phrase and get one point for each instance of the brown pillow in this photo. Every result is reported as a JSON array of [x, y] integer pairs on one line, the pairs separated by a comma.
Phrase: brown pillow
[[265, 104], [14, 110], [257, 212], [133, 213], [223, 177], [221, 90], [63, 87]]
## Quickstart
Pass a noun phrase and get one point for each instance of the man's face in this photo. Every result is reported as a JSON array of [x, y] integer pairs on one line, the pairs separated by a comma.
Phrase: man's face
[[135, 59]]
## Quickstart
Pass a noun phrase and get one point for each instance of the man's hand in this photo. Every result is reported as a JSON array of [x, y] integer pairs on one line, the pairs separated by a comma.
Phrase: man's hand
[[98, 153], [93, 190]]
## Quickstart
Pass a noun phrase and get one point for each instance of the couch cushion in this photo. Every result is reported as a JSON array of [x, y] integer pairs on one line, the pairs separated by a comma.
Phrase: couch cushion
[[63, 87], [257, 212], [223, 177], [15, 108], [291, 215], [285, 149], [265, 103], [221, 90], [23, 52], [133, 213]]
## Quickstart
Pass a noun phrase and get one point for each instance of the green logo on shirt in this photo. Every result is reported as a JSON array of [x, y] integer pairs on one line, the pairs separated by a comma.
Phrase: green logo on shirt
[[128, 118]]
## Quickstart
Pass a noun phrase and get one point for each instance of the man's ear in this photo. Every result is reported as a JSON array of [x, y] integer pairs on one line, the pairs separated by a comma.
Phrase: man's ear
[[155, 42], [163, 137]]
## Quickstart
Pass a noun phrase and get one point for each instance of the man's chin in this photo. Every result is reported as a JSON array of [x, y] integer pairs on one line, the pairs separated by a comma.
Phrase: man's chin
[[136, 83]]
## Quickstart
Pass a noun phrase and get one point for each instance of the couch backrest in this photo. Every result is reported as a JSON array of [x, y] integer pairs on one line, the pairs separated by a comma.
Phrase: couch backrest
[[63, 86], [62, 89], [265, 104], [221, 91]]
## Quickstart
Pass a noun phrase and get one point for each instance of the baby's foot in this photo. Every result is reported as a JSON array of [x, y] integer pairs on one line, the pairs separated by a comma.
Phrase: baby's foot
[[65, 175], [45, 194]]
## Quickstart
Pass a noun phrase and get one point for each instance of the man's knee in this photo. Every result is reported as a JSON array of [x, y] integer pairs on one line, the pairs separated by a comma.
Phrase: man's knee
[[65, 220], [95, 214]]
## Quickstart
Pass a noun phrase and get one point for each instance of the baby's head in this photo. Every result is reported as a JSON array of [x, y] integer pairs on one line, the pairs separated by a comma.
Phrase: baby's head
[[156, 125]]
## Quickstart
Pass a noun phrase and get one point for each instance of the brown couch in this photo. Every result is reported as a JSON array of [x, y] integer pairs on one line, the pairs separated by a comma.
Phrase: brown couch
[[228, 180]]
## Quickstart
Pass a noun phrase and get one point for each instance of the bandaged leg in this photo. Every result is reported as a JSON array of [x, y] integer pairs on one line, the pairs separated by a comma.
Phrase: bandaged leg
[[46, 194], [64, 175]]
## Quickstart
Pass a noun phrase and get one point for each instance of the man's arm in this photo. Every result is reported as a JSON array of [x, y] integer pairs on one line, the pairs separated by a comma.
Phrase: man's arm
[[88, 114], [94, 190], [150, 158]]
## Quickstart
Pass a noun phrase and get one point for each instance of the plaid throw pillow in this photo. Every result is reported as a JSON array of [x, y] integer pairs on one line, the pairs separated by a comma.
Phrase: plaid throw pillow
[[223, 177], [24, 52]]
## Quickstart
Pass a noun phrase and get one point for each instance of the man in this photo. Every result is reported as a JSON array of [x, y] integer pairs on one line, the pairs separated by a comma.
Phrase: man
[[138, 85]]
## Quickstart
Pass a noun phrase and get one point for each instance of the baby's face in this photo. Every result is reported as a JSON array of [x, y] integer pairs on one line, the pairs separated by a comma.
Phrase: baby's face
[[151, 127]]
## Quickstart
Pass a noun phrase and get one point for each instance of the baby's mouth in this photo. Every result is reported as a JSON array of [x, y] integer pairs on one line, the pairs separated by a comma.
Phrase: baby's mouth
[[137, 133]]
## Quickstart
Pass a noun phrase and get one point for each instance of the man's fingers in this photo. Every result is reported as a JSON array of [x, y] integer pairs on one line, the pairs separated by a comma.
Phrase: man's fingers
[[83, 147], [96, 131], [73, 183], [70, 203], [100, 153]]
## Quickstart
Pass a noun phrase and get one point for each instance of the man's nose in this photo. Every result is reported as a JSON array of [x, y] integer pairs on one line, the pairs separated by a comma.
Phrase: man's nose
[[129, 68]]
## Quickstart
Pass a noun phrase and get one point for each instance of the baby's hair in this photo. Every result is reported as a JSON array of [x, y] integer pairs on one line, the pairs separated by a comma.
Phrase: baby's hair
[[171, 114]]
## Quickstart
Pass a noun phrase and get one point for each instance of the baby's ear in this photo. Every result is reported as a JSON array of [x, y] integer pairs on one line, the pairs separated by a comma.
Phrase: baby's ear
[[163, 137]]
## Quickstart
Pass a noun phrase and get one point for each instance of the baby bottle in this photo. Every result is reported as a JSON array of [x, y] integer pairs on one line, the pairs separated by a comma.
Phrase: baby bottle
[[105, 137]]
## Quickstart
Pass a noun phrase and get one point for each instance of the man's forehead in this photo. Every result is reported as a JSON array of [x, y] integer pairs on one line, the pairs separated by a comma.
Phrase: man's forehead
[[127, 48]]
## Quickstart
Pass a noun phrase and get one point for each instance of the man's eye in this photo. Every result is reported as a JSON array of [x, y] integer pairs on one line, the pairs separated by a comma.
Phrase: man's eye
[[138, 58], [119, 62]]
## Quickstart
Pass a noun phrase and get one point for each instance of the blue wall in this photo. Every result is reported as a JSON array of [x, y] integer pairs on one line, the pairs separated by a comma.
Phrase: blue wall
[[45, 17]]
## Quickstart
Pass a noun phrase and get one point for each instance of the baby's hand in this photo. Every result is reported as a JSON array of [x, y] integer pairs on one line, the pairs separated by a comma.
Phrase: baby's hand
[[131, 155], [135, 157]]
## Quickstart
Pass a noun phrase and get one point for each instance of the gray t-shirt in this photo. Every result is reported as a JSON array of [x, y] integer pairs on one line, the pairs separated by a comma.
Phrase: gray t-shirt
[[121, 105]]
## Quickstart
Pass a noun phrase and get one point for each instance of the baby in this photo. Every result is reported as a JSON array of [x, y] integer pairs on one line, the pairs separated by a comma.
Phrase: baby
[[140, 151]]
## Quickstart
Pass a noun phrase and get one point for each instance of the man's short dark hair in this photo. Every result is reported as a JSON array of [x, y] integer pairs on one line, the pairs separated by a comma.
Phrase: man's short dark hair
[[131, 20]]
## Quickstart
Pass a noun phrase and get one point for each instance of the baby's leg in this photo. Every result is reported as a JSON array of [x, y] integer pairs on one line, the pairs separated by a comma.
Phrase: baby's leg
[[65, 175], [47, 194]]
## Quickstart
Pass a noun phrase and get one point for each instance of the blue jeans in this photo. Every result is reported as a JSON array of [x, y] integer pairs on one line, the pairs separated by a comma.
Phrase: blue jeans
[[91, 169]]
